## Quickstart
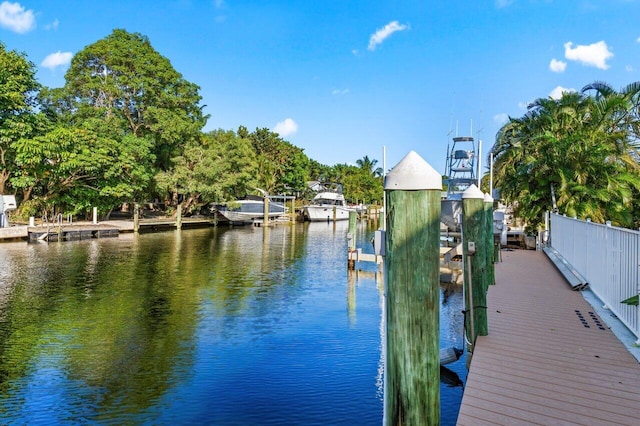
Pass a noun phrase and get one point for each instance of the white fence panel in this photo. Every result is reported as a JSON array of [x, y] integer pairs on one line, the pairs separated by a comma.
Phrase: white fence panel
[[608, 257]]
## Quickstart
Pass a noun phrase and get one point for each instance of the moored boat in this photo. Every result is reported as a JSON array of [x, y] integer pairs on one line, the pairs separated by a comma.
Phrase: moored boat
[[250, 209], [328, 205]]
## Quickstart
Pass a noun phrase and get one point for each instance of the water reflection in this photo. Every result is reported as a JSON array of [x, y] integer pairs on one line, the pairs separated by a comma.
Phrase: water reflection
[[215, 326]]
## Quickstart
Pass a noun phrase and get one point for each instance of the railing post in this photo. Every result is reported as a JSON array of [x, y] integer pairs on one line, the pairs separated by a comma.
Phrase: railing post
[[412, 395]]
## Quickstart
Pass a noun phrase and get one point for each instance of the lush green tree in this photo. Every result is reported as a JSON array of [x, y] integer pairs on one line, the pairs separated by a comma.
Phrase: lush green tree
[[577, 154], [359, 184], [72, 169], [124, 78], [282, 167], [18, 89], [219, 167]]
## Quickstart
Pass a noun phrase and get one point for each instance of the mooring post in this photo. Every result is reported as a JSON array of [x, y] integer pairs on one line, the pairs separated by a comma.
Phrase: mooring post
[[490, 278], [473, 251], [265, 220], [412, 192], [95, 216], [293, 209], [351, 240], [179, 217], [136, 217]]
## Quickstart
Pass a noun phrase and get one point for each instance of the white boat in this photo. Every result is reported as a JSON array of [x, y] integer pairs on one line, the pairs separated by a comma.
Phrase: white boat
[[328, 205], [250, 209]]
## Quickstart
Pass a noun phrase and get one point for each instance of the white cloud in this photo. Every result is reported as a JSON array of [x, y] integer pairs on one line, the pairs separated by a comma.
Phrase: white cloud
[[286, 127], [382, 33], [57, 59], [52, 26], [595, 54], [340, 91], [13, 17], [501, 118], [638, 40], [558, 91], [557, 66], [503, 3]]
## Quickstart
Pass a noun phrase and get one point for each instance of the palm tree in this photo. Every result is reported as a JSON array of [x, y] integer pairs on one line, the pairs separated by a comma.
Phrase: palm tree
[[369, 165], [582, 147]]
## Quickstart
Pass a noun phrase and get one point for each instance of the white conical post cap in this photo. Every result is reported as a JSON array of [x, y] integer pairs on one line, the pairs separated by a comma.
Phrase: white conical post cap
[[473, 192], [412, 173]]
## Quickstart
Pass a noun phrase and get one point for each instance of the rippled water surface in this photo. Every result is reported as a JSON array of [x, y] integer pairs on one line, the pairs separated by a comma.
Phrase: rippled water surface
[[242, 326]]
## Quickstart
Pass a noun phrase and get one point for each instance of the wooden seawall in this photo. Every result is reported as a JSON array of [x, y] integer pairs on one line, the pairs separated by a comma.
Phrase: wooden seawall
[[549, 359]]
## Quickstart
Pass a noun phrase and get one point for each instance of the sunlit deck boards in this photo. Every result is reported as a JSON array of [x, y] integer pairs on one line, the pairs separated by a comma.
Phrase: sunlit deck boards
[[540, 363]]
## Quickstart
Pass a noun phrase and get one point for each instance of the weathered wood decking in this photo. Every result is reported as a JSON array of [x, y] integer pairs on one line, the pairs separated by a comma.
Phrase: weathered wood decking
[[548, 358]]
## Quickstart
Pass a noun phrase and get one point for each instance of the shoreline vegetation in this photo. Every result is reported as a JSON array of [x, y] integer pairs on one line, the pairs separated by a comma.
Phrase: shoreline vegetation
[[127, 127]]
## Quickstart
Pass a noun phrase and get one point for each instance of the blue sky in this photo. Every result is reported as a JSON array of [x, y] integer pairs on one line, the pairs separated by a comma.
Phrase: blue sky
[[341, 79]]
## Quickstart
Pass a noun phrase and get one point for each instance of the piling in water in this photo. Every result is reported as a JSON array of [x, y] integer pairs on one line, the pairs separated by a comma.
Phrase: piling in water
[[412, 192]]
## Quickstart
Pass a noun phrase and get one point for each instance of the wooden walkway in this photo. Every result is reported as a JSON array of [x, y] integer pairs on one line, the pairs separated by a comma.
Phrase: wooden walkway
[[548, 358]]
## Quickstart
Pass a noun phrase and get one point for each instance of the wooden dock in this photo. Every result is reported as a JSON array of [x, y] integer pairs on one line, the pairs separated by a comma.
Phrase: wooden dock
[[84, 229], [548, 359], [71, 232]]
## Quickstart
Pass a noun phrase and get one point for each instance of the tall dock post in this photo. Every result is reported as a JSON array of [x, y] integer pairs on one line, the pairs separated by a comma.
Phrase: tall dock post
[[179, 217], [136, 217], [488, 229], [473, 248], [265, 220], [412, 193], [351, 240]]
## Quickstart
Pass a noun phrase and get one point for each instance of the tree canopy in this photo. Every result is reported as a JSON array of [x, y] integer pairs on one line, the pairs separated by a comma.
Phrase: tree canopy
[[127, 127], [577, 155]]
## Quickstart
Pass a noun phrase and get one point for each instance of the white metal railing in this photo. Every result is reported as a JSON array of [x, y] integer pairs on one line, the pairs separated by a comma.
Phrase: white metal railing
[[608, 257]]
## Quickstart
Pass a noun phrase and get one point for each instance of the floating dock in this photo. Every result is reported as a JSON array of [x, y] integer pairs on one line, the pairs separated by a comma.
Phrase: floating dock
[[549, 358]]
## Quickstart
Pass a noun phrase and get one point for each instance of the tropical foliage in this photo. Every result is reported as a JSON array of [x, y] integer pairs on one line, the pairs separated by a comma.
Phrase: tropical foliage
[[127, 127], [577, 155]]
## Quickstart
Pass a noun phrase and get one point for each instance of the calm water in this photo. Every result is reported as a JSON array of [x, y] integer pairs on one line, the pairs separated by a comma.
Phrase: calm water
[[242, 326]]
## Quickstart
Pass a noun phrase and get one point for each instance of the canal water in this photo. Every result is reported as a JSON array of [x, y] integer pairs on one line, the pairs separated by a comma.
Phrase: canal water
[[221, 326]]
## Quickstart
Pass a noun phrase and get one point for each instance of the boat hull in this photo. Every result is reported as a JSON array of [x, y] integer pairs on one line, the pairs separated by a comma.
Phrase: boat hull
[[250, 210], [326, 213], [451, 211]]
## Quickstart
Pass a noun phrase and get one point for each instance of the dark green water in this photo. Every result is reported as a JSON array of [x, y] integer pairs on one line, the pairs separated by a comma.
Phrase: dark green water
[[213, 326]]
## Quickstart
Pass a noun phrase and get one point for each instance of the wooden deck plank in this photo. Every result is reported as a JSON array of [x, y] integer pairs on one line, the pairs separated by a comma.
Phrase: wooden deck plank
[[540, 364]]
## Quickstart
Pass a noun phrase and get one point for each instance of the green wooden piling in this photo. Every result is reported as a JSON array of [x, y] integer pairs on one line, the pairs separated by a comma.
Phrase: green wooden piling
[[488, 233], [473, 225], [412, 192]]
